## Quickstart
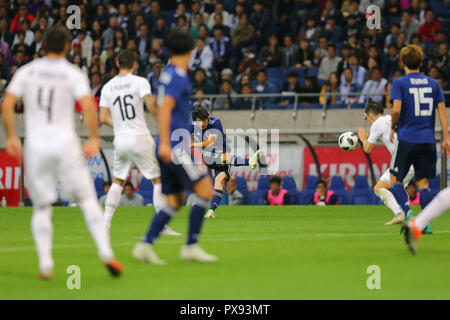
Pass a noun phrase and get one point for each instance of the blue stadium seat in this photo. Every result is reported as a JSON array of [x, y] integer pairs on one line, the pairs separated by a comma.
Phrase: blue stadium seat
[[300, 71], [361, 194], [257, 198], [314, 106], [146, 191], [289, 183], [263, 183], [98, 183], [357, 106], [338, 187], [275, 73], [307, 194], [312, 71], [242, 187], [337, 106]]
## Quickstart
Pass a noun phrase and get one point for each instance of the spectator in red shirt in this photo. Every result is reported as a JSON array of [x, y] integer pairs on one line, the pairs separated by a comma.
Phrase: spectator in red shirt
[[16, 24], [428, 29]]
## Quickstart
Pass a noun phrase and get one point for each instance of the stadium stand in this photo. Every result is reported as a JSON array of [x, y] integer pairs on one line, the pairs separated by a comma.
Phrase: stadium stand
[[361, 194], [146, 191]]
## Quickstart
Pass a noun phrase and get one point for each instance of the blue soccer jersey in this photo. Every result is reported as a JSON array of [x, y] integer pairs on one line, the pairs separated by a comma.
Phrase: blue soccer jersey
[[174, 82], [420, 96]]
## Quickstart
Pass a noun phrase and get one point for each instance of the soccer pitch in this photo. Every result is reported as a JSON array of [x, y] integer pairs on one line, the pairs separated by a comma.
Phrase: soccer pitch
[[264, 253]]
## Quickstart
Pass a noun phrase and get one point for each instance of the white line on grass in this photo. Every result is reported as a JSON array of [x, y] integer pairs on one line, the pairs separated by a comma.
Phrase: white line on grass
[[218, 237]]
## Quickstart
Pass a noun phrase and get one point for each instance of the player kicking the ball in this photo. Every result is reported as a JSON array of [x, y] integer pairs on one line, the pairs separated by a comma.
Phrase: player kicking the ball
[[178, 170], [380, 131], [415, 99], [209, 136], [122, 107], [49, 88]]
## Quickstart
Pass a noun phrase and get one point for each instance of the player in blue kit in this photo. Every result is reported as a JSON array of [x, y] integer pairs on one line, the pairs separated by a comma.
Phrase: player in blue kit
[[415, 98], [209, 136], [178, 170]]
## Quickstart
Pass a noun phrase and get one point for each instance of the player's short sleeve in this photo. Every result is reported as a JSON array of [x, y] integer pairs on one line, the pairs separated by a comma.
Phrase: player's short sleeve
[[171, 85], [375, 133], [104, 99], [439, 97], [396, 91], [17, 85], [80, 85], [144, 88]]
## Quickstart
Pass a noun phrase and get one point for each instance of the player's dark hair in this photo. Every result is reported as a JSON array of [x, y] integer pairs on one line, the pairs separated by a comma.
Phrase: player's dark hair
[[56, 39], [200, 112], [179, 42], [375, 108], [126, 59], [275, 179]]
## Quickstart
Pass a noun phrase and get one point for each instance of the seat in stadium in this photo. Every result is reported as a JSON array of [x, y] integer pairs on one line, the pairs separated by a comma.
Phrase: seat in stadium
[[275, 73], [289, 183], [337, 106], [257, 198], [337, 185], [357, 106], [263, 184], [312, 71], [98, 183], [361, 194], [308, 193], [146, 191], [314, 106], [242, 187]]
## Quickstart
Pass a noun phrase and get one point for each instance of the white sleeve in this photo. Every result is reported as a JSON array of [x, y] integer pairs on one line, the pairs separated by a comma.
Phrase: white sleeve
[[17, 85], [104, 100], [144, 88], [376, 131], [80, 85]]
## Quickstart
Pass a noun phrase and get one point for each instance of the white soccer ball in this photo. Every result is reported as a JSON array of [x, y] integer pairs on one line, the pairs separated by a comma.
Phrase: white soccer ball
[[348, 141]]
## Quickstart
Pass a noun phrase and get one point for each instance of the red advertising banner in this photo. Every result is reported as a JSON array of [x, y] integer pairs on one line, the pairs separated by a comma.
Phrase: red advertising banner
[[9, 179], [336, 162]]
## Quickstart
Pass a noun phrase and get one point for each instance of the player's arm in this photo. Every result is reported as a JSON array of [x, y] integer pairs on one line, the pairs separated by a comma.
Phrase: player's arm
[[89, 106], [105, 116], [150, 102], [395, 116], [364, 136], [204, 144], [164, 119], [13, 144], [444, 125]]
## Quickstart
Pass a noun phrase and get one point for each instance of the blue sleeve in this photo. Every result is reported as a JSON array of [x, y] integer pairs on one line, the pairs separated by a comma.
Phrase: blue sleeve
[[173, 85], [396, 91], [439, 97], [218, 125]]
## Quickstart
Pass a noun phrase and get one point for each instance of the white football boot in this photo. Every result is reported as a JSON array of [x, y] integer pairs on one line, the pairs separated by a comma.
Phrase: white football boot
[[144, 252], [210, 214], [168, 231], [193, 252], [398, 218], [253, 161]]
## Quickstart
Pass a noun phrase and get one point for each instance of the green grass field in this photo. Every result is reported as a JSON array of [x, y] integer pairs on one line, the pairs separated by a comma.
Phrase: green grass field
[[264, 252]]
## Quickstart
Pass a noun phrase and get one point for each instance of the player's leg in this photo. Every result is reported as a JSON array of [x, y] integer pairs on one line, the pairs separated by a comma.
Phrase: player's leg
[[381, 189], [424, 159], [238, 161], [219, 184], [112, 200], [192, 251], [42, 229]]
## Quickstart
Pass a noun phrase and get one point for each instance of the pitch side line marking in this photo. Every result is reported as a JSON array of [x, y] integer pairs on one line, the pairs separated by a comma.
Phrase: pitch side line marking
[[211, 238]]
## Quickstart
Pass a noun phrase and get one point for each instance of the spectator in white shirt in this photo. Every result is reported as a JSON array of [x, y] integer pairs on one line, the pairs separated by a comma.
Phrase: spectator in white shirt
[[358, 71], [376, 85], [348, 85], [219, 8], [201, 57]]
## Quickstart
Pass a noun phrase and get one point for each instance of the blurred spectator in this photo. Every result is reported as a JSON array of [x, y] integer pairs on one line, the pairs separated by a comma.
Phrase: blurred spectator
[[202, 82], [333, 32], [225, 103], [271, 55], [276, 196], [129, 197], [235, 197], [243, 34], [260, 19], [330, 11], [310, 31], [106, 186], [433, 49], [153, 75], [323, 196], [428, 29], [290, 52], [391, 39], [376, 85], [202, 56], [160, 31], [311, 86], [16, 23], [305, 56], [348, 86], [330, 87], [264, 86], [390, 61], [291, 86], [329, 64], [245, 102], [219, 9], [221, 48], [200, 100]]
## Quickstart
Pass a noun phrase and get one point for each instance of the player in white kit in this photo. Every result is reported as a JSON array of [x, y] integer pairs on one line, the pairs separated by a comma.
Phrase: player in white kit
[[122, 107], [49, 88], [380, 130]]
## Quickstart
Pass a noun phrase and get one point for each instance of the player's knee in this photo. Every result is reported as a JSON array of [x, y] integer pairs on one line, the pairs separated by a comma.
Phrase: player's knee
[[120, 182], [204, 189]]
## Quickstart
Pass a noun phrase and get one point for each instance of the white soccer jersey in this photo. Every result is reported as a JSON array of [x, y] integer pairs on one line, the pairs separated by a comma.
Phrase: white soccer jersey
[[381, 131], [49, 89], [124, 96]]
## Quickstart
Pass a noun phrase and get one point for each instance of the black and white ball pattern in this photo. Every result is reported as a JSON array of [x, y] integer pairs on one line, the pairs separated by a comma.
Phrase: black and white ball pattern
[[348, 141]]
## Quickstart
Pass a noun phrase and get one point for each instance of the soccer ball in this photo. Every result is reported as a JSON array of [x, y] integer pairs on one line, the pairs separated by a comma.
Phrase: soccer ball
[[348, 141]]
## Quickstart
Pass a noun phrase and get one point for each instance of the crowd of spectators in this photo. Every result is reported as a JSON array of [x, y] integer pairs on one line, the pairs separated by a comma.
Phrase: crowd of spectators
[[320, 46]]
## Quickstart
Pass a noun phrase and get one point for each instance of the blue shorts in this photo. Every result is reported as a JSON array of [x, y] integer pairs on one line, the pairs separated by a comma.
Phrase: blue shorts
[[219, 169], [180, 174], [421, 155]]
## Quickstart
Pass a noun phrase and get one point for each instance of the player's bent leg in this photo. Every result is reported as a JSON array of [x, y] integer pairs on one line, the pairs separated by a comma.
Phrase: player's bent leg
[[381, 189], [400, 194], [112, 200], [253, 161], [434, 209], [219, 185], [42, 229], [426, 196], [192, 251]]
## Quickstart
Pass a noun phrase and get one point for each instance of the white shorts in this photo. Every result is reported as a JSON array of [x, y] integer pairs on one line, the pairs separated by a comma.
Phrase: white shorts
[[386, 177], [58, 160], [135, 150]]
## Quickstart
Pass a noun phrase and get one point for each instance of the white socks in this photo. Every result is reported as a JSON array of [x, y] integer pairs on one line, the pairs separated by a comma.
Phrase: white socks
[[159, 199], [111, 202], [437, 207], [42, 229], [94, 220], [389, 200]]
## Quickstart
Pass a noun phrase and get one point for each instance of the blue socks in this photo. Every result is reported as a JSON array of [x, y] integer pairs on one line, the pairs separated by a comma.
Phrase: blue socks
[[402, 197], [238, 161], [425, 197], [196, 219], [159, 221], [218, 194]]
